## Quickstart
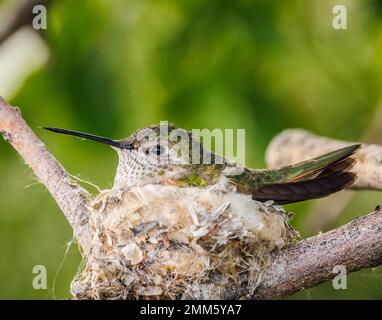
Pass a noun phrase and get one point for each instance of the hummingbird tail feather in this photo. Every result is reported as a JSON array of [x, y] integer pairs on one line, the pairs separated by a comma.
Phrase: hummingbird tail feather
[[310, 184], [318, 187]]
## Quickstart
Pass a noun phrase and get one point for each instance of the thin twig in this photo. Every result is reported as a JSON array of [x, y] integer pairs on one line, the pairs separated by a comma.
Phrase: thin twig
[[21, 14], [302, 265], [71, 198]]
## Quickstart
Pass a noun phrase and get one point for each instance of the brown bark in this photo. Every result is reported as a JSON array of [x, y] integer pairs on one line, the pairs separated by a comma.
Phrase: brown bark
[[302, 265], [295, 145], [71, 198]]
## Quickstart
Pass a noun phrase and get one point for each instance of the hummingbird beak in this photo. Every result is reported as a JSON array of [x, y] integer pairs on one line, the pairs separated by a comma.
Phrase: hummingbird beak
[[110, 142]]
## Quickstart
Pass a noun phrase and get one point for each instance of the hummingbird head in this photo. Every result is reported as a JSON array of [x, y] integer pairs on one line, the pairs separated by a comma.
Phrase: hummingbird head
[[150, 155]]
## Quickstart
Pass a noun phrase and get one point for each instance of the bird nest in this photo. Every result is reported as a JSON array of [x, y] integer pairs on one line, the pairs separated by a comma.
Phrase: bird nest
[[165, 242]]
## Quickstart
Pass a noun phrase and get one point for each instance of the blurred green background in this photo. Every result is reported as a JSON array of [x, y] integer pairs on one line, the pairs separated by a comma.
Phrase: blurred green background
[[112, 66]]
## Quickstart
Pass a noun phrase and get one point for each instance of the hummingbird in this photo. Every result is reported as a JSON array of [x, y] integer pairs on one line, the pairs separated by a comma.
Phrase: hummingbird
[[147, 157]]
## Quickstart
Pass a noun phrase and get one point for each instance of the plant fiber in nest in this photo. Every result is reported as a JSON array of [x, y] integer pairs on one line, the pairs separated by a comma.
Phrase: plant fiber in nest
[[166, 242]]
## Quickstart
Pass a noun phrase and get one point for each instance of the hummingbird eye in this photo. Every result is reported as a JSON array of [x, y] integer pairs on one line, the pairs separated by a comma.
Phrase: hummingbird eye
[[158, 150]]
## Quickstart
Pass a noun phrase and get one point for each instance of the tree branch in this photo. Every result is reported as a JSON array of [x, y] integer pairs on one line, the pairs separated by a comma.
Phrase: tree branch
[[71, 198], [301, 265], [21, 14], [295, 145], [356, 245]]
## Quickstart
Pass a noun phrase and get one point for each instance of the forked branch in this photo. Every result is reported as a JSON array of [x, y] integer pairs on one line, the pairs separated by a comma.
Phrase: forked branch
[[302, 265]]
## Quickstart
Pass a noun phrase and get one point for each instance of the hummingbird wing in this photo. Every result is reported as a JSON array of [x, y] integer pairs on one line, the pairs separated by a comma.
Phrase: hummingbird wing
[[315, 178]]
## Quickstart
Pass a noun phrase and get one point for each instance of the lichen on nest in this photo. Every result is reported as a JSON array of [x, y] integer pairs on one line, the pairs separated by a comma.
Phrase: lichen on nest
[[166, 242]]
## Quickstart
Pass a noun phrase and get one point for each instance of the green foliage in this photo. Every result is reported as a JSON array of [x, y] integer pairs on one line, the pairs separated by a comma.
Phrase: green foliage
[[119, 65]]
